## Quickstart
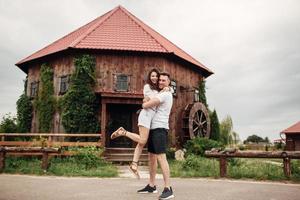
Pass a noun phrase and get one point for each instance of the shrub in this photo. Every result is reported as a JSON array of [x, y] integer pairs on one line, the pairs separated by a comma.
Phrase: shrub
[[8, 124], [199, 145], [171, 153], [24, 113], [196, 166]]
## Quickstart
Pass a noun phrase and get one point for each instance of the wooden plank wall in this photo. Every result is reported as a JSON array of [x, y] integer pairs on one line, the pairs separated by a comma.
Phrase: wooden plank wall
[[136, 66]]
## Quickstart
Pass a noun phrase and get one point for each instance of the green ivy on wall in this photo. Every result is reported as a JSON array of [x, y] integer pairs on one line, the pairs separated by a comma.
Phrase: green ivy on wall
[[24, 111], [79, 108], [202, 95], [45, 102]]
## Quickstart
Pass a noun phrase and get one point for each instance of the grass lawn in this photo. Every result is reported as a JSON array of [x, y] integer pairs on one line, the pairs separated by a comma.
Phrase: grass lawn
[[258, 169], [86, 162]]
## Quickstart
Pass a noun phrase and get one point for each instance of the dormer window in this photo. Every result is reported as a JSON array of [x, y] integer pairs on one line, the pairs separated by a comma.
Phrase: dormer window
[[64, 84], [34, 87], [122, 83]]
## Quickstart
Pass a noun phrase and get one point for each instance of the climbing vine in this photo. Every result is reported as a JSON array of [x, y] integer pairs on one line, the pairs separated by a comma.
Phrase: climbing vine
[[45, 103], [202, 95], [24, 114], [79, 110], [24, 111]]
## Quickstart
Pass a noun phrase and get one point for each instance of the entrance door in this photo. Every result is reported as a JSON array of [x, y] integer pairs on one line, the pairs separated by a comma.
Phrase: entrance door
[[121, 115]]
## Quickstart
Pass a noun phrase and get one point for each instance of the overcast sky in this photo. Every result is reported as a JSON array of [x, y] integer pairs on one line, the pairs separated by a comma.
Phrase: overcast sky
[[253, 46]]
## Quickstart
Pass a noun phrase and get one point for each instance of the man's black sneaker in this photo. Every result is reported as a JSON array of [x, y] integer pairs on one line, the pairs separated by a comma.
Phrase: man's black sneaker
[[148, 189], [167, 194]]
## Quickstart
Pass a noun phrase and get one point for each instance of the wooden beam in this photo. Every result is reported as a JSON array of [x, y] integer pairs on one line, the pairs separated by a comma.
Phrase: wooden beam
[[254, 154], [103, 124], [287, 167], [223, 166], [2, 161], [51, 134]]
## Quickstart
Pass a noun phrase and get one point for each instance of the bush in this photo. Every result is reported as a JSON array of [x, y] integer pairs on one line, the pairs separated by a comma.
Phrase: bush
[[90, 157], [24, 113], [196, 166], [199, 145], [8, 124], [170, 153]]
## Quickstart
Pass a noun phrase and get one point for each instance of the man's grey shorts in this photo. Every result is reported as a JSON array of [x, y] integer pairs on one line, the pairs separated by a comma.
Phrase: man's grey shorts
[[158, 140]]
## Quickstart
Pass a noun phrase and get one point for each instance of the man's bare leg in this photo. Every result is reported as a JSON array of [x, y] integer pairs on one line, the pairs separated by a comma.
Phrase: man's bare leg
[[152, 168], [162, 159]]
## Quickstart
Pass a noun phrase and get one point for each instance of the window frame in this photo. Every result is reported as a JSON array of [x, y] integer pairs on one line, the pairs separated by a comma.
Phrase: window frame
[[119, 86], [35, 89], [66, 82]]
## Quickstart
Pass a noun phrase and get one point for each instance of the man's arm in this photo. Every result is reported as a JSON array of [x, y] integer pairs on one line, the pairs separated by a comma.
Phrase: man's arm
[[151, 103]]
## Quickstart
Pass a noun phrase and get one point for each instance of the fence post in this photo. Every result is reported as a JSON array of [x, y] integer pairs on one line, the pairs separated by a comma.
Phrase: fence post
[[287, 166], [2, 161], [45, 161], [223, 166]]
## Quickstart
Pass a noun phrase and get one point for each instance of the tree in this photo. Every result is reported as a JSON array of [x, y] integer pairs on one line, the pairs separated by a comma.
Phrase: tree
[[45, 103], [24, 112], [8, 124], [202, 93], [79, 109], [215, 126], [228, 136], [254, 139], [266, 140], [236, 137]]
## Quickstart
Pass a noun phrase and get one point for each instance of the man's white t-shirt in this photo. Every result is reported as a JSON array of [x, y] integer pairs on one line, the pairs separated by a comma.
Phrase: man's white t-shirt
[[161, 117]]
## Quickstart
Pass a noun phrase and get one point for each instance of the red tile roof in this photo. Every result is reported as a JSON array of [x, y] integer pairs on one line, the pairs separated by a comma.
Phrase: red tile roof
[[118, 29], [293, 129]]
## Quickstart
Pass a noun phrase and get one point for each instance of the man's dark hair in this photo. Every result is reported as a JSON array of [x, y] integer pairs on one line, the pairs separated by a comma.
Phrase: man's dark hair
[[165, 74]]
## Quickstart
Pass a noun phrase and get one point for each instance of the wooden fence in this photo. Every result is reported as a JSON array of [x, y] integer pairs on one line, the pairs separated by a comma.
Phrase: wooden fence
[[224, 155], [42, 144]]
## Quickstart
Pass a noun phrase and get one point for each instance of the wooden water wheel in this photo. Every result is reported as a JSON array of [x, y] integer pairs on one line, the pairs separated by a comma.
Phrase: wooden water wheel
[[196, 121]]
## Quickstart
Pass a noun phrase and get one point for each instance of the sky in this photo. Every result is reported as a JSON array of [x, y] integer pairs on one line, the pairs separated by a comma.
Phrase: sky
[[252, 46]]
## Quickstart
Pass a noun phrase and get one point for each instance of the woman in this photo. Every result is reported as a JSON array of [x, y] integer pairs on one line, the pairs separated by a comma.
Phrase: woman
[[144, 121]]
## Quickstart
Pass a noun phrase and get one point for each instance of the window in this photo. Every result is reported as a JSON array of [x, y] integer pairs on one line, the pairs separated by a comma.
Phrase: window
[[122, 83], [64, 84], [34, 86], [174, 87], [196, 95]]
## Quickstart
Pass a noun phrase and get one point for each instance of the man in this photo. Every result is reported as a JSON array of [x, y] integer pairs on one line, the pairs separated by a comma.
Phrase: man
[[158, 136]]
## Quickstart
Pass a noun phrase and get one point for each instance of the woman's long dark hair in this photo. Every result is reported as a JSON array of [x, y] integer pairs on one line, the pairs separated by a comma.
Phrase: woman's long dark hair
[[151, 84]]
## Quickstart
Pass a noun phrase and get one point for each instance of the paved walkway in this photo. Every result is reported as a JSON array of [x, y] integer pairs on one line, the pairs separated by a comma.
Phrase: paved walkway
[[23, 187], [124, 172]]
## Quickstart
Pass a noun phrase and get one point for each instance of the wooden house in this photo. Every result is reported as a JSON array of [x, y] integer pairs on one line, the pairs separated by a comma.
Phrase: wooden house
[[292, 135], [125, 49]]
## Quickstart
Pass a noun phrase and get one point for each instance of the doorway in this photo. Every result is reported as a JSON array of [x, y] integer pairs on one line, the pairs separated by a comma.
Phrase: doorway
[[121, 115]]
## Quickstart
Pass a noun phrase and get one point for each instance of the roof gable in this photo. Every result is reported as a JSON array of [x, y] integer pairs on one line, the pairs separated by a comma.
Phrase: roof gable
[[118, 29], [293, 129]]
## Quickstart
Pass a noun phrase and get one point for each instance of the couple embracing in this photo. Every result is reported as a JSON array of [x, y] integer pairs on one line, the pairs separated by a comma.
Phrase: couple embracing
[[153, 122]]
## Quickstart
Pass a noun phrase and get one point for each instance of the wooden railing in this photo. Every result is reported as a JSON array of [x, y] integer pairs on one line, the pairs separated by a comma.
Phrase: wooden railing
[[45, 151], [223, 155], [42, 144], [48, 139]]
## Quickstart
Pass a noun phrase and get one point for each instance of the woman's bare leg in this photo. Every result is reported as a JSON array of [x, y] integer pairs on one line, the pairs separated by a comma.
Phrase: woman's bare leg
[[133, 136], [144, 134]]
